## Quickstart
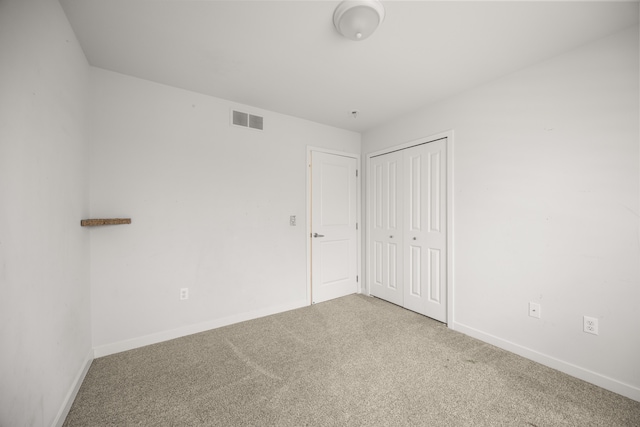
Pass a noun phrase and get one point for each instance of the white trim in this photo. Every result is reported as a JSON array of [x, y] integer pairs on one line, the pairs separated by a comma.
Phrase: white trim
[[308, 222], [603, 381], [450, 206], [73, 391], [450, 231], [117, 347], [358, 214]]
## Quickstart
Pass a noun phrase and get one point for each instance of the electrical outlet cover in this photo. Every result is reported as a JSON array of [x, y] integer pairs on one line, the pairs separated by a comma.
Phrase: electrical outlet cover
[[590, 325]]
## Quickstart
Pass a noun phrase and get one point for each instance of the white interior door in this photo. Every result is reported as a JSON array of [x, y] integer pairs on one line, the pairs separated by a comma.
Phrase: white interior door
[[386, 231], [333, 226]]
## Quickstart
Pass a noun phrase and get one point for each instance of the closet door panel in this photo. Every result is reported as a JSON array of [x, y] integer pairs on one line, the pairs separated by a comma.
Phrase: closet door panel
[[414, 168], [386, 267], [425, 236]]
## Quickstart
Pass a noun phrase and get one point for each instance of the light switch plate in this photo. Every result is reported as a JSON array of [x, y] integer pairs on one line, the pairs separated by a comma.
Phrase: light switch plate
[[534, 310]]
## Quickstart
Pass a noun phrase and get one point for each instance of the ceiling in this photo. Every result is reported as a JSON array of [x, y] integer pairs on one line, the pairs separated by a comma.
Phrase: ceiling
[[285, 56]]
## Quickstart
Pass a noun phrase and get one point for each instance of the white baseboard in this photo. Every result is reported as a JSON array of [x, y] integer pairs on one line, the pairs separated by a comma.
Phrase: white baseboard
[[600, 380], [130, 344], [73, 391]]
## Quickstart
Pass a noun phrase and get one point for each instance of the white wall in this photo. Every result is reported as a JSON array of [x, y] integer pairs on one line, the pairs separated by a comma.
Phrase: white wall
[[546, 184], [210, 206], [45, 342]]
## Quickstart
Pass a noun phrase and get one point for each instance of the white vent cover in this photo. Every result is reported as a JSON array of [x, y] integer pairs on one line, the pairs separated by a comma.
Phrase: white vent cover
[[238, 118]]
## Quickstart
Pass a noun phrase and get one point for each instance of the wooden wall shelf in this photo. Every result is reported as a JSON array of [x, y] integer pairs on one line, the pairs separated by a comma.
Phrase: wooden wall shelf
[[104, 221]]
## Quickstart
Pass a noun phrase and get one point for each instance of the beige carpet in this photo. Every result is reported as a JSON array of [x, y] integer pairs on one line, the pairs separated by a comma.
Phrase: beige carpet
[[354, 361]]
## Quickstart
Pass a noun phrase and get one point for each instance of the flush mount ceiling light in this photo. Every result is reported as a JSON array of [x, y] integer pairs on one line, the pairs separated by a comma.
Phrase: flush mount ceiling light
[[358, 19]]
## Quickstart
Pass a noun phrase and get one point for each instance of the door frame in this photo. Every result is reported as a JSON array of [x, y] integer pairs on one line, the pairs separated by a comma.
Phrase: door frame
[[450, 205], [360, 281]]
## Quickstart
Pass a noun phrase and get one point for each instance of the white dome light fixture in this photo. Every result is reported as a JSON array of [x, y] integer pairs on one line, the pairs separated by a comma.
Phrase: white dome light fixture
[[358, 19]]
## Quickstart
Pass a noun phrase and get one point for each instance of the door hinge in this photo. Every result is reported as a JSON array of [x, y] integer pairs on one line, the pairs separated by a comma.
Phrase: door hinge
[[356, 173], [357, 279], [356, 225]]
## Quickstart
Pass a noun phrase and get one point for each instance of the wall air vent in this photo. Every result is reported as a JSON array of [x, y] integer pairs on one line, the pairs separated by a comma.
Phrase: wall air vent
[[238, 118]]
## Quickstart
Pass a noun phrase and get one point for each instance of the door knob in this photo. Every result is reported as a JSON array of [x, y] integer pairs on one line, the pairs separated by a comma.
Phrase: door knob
[[318, 235], [391, 237], [415, 238]]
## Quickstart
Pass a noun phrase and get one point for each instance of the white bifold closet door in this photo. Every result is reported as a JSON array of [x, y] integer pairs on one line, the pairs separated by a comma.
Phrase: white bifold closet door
[[407, 252]]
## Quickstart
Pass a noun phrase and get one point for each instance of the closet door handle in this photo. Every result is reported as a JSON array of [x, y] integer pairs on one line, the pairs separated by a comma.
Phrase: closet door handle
[[318, 235], [391, 237]]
